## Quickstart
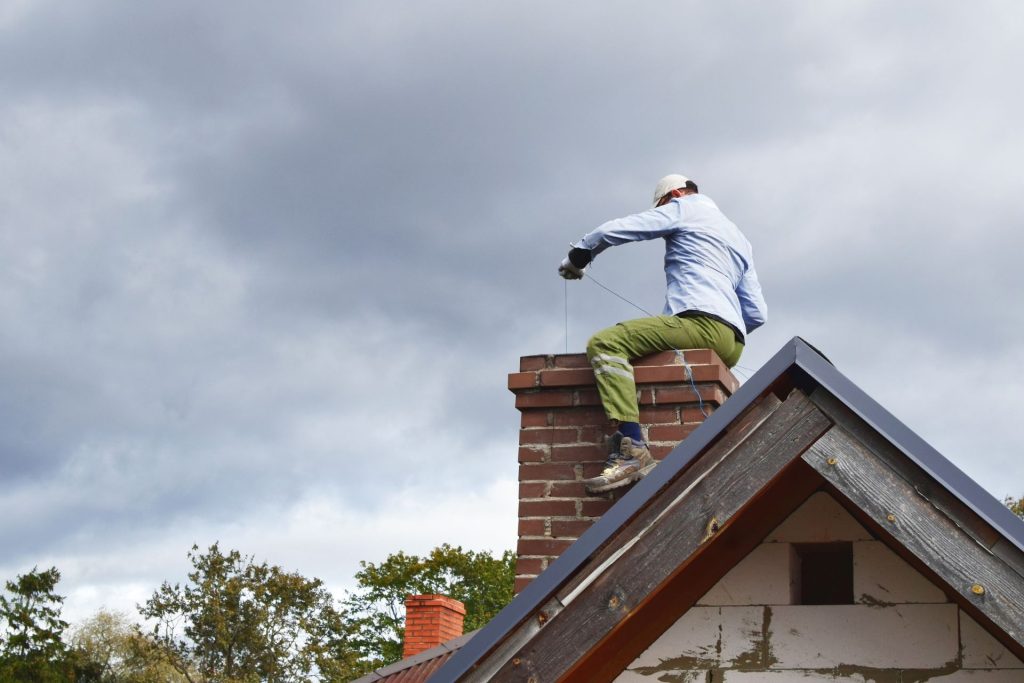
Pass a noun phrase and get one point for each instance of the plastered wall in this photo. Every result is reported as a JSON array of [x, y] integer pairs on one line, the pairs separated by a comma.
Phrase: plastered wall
[[900, 629]]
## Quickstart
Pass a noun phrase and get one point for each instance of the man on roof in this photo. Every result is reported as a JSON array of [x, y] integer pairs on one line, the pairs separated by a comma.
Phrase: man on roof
[[713, 300]]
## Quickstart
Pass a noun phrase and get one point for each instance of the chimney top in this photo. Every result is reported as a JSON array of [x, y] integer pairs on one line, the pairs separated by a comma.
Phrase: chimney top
[[563, 432], [431, 620]]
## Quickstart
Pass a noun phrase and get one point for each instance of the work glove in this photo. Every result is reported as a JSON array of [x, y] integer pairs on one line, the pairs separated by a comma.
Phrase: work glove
[[570, 272]]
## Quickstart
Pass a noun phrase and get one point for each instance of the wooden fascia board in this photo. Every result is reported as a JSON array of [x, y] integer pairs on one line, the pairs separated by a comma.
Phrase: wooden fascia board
[[742, 429], [826, 378], [739, 429], [925, 485], [881, 534], [796, 364], [980, 581], [666, 604], [516, 622], [568, 629], [937, 495]]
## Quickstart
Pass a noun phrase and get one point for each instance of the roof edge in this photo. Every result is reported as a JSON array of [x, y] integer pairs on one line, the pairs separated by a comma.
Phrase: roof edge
[[917, 450], [541, 588], [806, 367], [409, 662]]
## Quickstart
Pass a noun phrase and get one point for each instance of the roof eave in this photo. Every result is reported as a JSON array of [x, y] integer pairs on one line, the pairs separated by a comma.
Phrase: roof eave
[[922, 454], [538, 591], [796, 364]]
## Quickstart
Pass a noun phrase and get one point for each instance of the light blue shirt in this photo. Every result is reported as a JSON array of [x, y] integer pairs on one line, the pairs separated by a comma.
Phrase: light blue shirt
[[709, 264]]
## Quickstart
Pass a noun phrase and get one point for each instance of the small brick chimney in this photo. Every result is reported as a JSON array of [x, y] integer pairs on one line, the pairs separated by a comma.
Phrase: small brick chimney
[[562, 438], [431, 620]]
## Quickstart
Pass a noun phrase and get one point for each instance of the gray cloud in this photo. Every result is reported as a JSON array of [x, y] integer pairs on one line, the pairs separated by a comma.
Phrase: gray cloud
[[256, 256]]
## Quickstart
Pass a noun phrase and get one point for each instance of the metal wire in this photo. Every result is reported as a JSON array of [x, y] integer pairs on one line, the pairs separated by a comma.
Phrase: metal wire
[[749, 371], [693, 385], [614, 293], [682, 358], [746, 372]]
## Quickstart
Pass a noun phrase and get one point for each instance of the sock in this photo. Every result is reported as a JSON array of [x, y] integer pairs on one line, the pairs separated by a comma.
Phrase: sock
[[632, 430]]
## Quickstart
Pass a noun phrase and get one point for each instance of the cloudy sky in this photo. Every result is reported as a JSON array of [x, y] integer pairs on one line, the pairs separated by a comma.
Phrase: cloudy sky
[[264, 267]]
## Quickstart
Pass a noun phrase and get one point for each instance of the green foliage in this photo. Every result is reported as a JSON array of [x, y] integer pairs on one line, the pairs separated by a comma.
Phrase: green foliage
[[482, 582], [237, 621], [31, 648], [1016, 506], [108, 648]]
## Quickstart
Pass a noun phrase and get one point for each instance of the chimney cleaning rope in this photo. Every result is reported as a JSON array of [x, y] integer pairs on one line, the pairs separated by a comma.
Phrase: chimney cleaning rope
[[566, 283]]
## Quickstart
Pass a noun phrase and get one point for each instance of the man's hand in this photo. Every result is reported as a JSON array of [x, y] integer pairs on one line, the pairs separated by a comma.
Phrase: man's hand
[[570, 272]]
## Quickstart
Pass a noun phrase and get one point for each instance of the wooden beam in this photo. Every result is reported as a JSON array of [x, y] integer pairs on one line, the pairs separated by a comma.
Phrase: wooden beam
[[882, 448], [979, 578], [608, 658], [736, 434], [1010, 554], [937, 495], [616, 587], [882, 534], [749, 420]]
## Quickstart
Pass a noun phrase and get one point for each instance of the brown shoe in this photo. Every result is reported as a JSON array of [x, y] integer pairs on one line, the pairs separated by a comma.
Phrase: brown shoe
[[629, 464]]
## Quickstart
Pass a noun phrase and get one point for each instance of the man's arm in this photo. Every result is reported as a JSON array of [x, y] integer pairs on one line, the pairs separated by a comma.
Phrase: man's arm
[[646, 225], [752, 304]]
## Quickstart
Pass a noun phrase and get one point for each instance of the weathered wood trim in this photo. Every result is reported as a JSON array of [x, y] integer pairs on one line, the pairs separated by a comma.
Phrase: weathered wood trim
[[662, 549], [1010, 554], [745, 425], [913, 522], [926, 486], [741, 428], [609, 657]]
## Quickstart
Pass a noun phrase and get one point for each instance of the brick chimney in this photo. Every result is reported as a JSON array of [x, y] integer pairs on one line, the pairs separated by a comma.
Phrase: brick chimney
[[431, 620], [562, 439]]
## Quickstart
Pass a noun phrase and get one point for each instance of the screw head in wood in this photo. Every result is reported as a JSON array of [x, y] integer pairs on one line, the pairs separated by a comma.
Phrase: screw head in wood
[[832, 461], [711, 529], [891, 517], [978, 589]]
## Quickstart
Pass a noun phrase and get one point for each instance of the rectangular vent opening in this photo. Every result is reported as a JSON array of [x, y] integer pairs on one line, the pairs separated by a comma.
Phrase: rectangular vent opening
[[825, 573]]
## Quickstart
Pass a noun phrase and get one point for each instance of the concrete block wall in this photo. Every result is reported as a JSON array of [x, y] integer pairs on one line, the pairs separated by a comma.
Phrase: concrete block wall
[[563, 431], [901, 627]]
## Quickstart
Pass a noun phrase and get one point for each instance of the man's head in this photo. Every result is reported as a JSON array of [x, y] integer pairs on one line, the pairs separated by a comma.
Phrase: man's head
[[672, 186]]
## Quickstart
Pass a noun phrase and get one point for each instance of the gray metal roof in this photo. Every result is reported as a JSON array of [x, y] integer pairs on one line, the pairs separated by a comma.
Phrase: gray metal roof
[[802, 365]]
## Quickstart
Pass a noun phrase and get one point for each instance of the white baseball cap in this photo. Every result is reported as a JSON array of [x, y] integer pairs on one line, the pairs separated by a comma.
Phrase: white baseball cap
[[667, 184]]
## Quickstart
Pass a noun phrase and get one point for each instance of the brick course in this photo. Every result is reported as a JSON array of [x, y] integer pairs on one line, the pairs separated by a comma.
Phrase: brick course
[[431, 620], [563, 432]]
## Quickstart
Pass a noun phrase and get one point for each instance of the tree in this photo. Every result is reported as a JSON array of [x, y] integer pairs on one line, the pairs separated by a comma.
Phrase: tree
[[1016, 506], [482, 582], [237, 621], [32, 649], [108, 648]]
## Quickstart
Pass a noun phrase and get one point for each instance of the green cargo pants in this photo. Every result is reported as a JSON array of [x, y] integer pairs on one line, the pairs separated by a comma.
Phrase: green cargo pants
[[611, 350]]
